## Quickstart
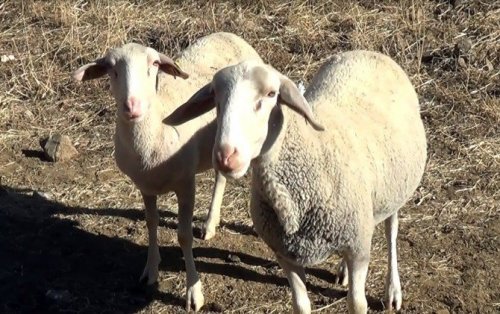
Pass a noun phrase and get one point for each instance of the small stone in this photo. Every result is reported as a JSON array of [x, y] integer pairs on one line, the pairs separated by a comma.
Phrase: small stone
[[443, 311], [462, 63], [233, 258], [59, 148]]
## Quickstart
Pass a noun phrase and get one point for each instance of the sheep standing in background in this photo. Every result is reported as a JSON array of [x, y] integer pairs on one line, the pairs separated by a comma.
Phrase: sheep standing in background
[[316, 193], [160, 158]]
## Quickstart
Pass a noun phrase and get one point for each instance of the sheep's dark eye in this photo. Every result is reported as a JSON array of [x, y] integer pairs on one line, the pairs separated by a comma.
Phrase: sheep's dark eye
[[271, 94], [115, 73]]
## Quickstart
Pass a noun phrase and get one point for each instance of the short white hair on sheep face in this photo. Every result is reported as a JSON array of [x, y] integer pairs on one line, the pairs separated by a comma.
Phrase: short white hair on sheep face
[[246, 94], [243, 106], [132, 70]]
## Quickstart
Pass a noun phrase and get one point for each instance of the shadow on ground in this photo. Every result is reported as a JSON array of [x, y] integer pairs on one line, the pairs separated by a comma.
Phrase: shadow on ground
[[50, 265]]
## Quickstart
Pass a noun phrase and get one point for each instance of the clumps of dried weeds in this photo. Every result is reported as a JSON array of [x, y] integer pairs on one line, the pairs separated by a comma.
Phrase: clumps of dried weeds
[[449, 49]]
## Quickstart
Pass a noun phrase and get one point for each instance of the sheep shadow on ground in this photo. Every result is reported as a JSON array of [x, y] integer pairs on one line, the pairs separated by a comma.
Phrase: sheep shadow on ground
[[50, 264], [138, 214]]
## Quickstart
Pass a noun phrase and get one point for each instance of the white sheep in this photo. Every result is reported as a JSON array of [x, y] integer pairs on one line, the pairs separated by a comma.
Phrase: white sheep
[[316, 193], [160, 158]]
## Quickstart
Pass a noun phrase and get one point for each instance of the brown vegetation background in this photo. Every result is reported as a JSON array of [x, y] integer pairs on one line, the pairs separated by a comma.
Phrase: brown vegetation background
[[72, 235]]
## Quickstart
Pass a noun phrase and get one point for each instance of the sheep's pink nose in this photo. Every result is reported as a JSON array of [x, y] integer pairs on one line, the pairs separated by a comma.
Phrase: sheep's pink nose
[[132, 107], [227, 158]]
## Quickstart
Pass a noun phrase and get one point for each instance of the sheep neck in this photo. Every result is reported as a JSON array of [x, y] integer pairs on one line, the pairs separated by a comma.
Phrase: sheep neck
[[287, 130], [283, 164], [147, 139]]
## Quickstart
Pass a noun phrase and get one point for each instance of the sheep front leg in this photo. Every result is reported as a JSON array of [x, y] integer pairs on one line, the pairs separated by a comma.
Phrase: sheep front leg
[[297, 280], [150, 273], [194, 294], [214, 213], [393, 294], [357, 266]]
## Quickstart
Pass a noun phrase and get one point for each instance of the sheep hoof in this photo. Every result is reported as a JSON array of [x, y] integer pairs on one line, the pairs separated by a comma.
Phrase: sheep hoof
[[342, 274], [302, 306], [194, 298], [393, 296], [393, 304], [208, 233], [149, 275]]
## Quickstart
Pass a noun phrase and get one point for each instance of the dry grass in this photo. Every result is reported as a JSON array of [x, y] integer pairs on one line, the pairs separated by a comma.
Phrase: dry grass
[[449, 231]]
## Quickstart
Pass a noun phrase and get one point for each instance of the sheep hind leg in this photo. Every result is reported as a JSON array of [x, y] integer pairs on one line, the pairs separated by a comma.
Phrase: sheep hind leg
[[213, 219], [393, 294], [297, 280], [194, 294], [150, 273]]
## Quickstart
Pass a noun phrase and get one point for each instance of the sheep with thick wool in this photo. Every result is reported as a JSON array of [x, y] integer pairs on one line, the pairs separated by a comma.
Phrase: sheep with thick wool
[[315, 193], [160, 158]]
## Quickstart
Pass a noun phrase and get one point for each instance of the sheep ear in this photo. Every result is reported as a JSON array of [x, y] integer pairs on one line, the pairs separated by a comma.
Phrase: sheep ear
[[292, 97], [92, 70], [201, 102], [168, 66]]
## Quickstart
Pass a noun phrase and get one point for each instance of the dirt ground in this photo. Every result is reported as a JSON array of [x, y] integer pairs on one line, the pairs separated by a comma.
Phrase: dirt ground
[[72, 234]]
